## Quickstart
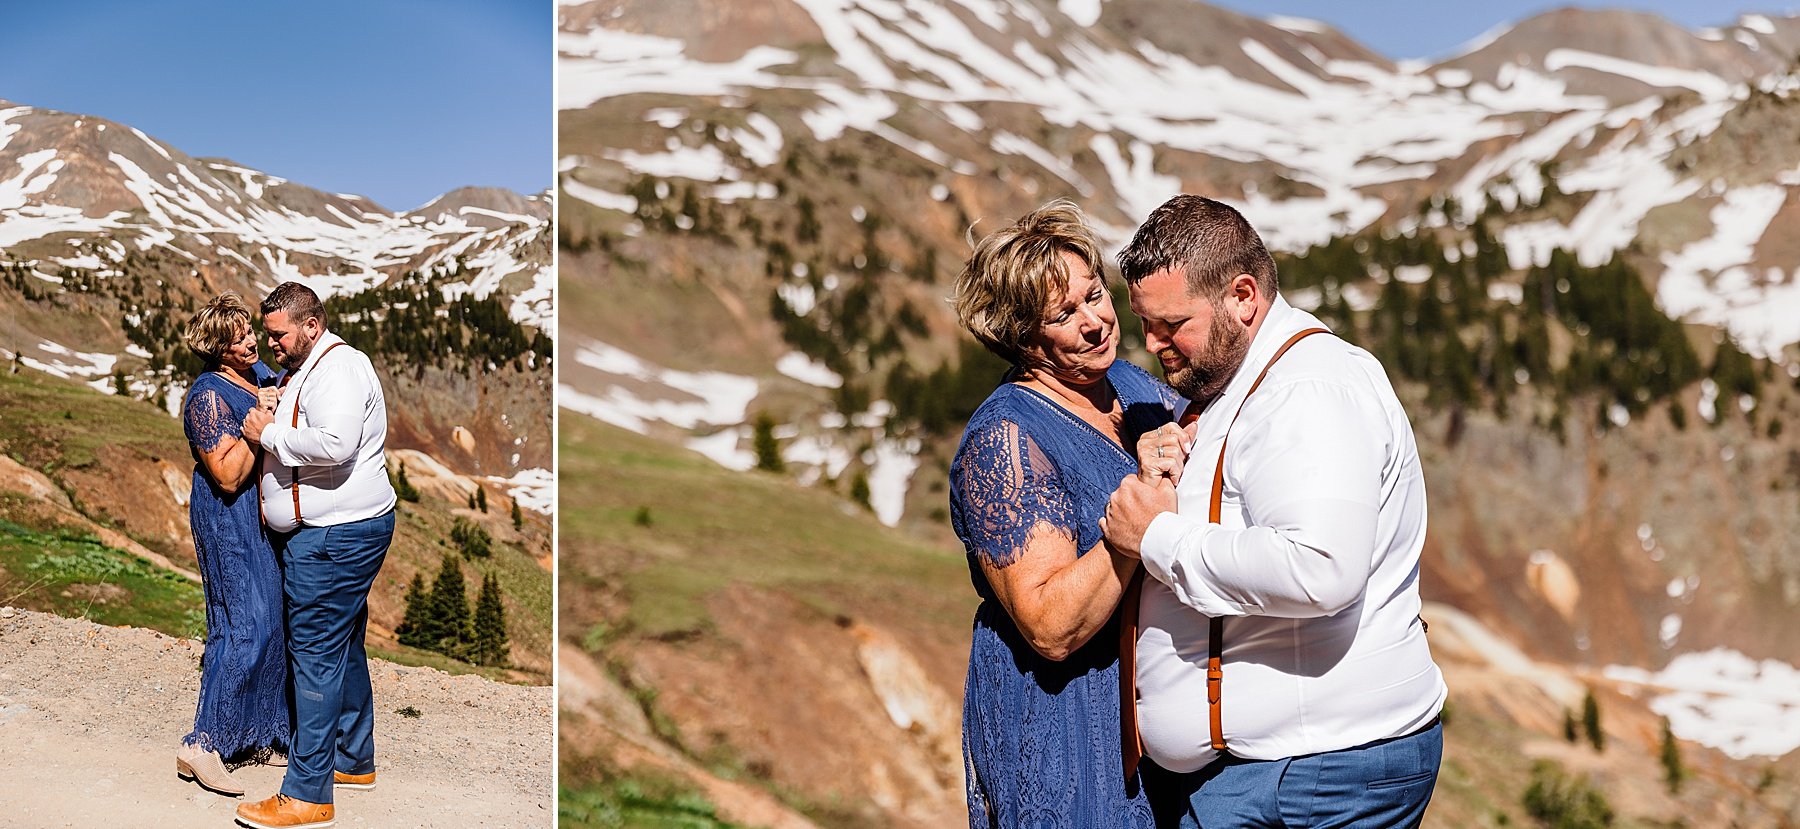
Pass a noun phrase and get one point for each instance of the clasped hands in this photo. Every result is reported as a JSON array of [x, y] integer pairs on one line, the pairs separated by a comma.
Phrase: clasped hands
[[1141, 496], [263, 414]]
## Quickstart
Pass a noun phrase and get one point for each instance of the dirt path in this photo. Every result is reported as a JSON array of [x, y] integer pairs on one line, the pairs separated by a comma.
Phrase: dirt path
[[90, 717]]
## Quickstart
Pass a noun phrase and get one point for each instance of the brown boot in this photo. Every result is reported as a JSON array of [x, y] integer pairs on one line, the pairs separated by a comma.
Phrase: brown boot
[[283, 812], [353, 781], [206, 768]]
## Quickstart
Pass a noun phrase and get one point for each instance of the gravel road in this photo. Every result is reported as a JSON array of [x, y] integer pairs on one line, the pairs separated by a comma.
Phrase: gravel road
[[90, 717]]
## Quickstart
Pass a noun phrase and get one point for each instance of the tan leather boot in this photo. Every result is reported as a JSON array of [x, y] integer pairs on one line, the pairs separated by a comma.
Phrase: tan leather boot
[[353, 781], [283, 812], [206, 768]]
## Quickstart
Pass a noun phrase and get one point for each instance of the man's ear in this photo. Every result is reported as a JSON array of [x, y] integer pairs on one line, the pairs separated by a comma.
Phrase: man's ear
[[1246, 292]]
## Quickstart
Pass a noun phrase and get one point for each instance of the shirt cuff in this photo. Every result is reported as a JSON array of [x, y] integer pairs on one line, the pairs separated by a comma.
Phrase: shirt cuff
[[1171, 552]]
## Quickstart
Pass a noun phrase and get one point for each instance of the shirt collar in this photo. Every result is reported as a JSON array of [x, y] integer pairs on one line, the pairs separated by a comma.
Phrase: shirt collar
[[319, 348], [1283, 321]]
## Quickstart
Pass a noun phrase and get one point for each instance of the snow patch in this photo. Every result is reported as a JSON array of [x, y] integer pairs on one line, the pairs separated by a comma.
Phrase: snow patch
[[1725, 700]]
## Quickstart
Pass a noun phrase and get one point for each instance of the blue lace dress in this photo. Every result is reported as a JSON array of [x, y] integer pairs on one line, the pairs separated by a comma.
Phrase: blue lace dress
[[243, 707], [1041, 738]]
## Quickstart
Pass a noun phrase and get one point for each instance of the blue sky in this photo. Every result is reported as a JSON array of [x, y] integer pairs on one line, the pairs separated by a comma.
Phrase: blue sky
[[397, 100], [1412, 29]]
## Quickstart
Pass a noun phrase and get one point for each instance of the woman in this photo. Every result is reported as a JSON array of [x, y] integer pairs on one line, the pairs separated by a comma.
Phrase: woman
[[243, 710], [1028, 487]]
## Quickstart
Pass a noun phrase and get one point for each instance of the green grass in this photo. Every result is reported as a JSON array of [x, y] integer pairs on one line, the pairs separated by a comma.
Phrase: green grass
[[42, 423], [74, 575], [420, 658], [629, 805], [614, 801], [712, 527]]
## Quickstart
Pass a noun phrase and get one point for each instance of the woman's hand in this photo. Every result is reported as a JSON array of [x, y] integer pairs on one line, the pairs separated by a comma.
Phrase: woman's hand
[[267, 397], [1162, 454]]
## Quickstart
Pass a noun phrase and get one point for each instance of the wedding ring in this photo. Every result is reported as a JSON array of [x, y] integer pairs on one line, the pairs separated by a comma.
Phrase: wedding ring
[[1159, 450]]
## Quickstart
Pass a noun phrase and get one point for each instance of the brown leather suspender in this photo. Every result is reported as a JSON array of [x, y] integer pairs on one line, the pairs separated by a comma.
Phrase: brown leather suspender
[[1131, 741], [295, 423]]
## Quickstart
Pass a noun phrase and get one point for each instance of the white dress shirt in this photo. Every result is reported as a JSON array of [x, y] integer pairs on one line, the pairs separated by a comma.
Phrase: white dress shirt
[[1315, 564], [336, 451]]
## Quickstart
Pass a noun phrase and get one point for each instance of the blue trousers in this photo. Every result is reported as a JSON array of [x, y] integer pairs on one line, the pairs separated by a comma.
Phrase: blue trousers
[[1386, 783], [326, 575]]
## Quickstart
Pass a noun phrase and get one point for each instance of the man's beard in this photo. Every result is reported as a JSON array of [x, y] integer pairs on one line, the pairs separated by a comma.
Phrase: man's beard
[[1206, 375], [297, 357]]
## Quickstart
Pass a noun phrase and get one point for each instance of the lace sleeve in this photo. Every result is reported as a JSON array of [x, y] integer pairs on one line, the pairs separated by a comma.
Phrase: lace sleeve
[[208, 419], [1002, 488]]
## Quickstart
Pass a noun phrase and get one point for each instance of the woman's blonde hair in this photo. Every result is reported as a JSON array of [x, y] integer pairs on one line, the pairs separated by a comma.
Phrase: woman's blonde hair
[[1015, 272], [217, 325]]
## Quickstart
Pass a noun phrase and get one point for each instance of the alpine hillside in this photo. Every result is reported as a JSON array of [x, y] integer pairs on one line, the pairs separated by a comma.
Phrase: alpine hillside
[[109, 239], [1571, 244]]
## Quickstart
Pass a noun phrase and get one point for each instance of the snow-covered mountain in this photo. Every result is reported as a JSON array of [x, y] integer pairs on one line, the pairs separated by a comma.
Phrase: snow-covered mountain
[[1309, 133], [108, 238], [764, 203]]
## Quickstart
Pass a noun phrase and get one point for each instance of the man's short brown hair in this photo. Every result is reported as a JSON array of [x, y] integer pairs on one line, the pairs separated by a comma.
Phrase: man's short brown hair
[[297, 301], [1015, 272], [1208, 240], [218, 324]]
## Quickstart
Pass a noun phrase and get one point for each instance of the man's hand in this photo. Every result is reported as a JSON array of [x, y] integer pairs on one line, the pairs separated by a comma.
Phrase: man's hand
[[1162, 453], [1131, 509], [267, 397], [254, 422]]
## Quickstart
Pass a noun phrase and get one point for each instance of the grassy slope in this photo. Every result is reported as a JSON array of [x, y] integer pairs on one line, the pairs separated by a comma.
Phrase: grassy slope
[[710, 528], [72, 574], [50, 424], [58, 426]]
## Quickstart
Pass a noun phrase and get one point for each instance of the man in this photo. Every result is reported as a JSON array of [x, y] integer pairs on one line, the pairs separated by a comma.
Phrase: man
[[1327, 698], [330, 509]]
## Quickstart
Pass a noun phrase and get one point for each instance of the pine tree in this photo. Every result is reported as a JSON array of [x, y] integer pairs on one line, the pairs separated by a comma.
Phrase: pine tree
[[414, 630], [489, 647], [472, 539], [768, 452], [1590, 721], [449, 614], [481, 498], [403, 489], [1674, 772], [518, 518], [859, 490], [1570, 731]]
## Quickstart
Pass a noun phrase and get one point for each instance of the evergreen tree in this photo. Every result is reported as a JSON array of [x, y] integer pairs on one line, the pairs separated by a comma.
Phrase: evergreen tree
[[518, 518], [489, 646], [859, 490], [1590, 721], [481, 498], [403, 489], [415, 628], [449, 610], [1674, 772], [1570, 731], [472, 539], [768, 452]]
